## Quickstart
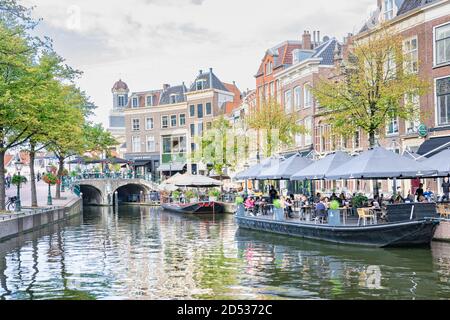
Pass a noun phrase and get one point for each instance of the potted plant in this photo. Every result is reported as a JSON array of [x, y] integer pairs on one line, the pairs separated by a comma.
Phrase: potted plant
[[359, 201], [214, 194], [191, 196], [176, 196]]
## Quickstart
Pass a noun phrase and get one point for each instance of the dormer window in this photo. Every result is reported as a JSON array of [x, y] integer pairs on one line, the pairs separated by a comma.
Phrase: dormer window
[[295, 56], [122, 101], [150, 101], [135, 102], [173, 98], [201, 85], [269, 67], [388, 9]]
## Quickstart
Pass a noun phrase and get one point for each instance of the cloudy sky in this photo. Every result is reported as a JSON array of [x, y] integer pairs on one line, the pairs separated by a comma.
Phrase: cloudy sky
[[151, 42]]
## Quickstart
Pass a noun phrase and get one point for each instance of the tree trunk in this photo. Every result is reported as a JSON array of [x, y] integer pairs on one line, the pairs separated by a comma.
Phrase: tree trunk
[[372, 139], [60, 173], [2, 181], [34, 202]]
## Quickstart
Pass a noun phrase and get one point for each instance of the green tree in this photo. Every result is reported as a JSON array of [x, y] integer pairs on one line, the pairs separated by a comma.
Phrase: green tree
[[278, 128], [97, 139], [371, 87]]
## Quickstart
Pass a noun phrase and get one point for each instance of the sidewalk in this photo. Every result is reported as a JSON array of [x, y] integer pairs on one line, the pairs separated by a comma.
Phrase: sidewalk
[[42, 192]]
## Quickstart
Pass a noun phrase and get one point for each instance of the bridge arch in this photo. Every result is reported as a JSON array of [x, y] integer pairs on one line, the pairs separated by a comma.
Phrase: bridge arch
[[91, 195], [130, 192]]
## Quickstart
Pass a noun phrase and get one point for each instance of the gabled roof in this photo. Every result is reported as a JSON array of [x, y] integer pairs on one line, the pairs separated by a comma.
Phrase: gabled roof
[[142, 98], [208, 77], [179, 91], [409, 5], [326, 52], [282, 55], [405, 6], [8, 159], [231, 106]]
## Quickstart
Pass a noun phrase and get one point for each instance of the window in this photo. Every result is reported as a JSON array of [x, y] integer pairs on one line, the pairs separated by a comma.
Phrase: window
[[299, 137], [182, 120], [278, 89], [123, 101], [136, 144], [390, 66], [149, 124], [356, 140], [208, 108], [307, 96], [443, 101], [192, 111], [272, 89], [173, 121], [200, 129], [288, 101], [136, 125], [442, 44], [392, 126], [151, 146], [173, 98], [309, 131], [208, 125], [388, 9], [135, 102], [297, 97], [266, 91], [192, 130], [413, 101], [200, 111], [411, 51], [201, 85], [164, 122], [167, 145], [269, 67], [149, 101]]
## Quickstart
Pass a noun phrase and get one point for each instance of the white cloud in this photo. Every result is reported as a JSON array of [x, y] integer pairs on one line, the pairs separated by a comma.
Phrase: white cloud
[[150, 42]]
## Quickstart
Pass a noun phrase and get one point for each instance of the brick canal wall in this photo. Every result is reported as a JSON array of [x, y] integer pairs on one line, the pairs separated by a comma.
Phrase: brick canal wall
[[20, 224]]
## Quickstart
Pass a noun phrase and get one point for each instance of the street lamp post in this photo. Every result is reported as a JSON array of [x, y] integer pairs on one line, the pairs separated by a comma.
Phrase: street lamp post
[[19, 166], [49, 196]]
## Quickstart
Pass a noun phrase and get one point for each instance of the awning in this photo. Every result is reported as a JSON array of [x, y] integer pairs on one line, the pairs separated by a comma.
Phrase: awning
[[174, 167], [433, 146], [141, 163]]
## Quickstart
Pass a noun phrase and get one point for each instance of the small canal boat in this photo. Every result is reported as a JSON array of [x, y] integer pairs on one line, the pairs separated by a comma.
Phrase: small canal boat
[[204, 207]]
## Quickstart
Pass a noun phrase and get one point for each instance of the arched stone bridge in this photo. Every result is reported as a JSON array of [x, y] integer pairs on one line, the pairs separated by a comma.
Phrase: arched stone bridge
[[102, 191]]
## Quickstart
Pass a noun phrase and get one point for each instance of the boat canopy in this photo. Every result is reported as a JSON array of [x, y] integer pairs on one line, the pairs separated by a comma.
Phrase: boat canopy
[[379, 163], [318, 169], [195, 181], [283, 170]]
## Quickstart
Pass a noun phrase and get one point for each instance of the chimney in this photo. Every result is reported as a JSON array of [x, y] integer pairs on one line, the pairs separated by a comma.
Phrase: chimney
[[166, 86], [318, 38], [210, 78], [306, 40]]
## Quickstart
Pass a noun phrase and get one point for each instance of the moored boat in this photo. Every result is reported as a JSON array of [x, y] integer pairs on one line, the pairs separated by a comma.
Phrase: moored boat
[[204, 207], [398, 234]]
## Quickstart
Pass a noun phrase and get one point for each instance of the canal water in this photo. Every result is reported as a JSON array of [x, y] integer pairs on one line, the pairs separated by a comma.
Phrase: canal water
[[146, 253]]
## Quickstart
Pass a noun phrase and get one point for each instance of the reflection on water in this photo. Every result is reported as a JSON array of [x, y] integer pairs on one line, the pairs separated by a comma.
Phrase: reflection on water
[[146, 253]]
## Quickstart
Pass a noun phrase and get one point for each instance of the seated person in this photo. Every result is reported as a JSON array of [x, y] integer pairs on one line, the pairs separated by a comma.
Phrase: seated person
[[321, 209], [429, 194], [250, 204], [422, 199], [289, 204]]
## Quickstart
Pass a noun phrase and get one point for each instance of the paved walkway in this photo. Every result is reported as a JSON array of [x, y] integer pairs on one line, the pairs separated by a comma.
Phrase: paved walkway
[[42, 191]]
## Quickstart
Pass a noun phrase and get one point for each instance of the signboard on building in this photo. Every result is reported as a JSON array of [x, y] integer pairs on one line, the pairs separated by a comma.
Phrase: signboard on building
[[423, 131]]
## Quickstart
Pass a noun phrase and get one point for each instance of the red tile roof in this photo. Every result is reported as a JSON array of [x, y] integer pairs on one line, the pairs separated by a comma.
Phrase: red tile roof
[[8, 158], [237, 101]]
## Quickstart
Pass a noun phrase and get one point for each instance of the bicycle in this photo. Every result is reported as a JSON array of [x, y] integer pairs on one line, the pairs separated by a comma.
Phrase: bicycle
[[11, 203]]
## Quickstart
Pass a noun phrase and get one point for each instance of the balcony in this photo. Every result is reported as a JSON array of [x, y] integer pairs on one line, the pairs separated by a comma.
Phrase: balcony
[[167, 158]]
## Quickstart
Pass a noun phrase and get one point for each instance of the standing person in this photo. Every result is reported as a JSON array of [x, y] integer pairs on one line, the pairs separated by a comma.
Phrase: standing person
[[419, 192], [446, 189], [8, 181], [273, 194]]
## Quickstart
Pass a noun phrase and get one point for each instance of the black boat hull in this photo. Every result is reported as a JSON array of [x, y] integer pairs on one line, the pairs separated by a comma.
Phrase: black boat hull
[[401, 234], [195, 208]]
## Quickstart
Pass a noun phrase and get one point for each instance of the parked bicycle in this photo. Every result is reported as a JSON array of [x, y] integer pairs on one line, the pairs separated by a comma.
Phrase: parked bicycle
[[11, 203]]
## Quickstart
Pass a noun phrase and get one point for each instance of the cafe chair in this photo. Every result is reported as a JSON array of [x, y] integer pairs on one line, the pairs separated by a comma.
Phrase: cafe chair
[[443, 211], [365, 215]]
